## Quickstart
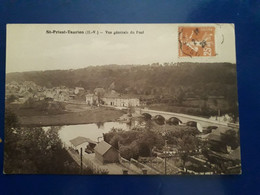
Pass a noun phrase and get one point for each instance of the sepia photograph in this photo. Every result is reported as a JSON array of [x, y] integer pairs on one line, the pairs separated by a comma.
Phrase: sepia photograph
[[121, 99]]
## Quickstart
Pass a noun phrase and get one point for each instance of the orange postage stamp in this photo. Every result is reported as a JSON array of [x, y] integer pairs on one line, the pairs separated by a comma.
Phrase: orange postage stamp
[[196, 41]]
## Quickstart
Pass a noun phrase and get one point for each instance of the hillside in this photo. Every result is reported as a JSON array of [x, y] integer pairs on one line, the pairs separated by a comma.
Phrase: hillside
[[195, 79]]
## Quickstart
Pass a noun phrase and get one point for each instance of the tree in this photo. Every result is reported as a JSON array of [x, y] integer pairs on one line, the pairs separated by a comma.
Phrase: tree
[[133, 144], [231, 96], [231, 138], [180, 95], [32, 150], [11, 99], [131, 110], [188, 143], [11, 138]]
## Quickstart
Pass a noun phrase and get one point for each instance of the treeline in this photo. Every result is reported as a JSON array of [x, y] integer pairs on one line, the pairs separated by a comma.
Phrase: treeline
[[35, 151], [44, 107], [194, 79], [134, 143], [145, 142]]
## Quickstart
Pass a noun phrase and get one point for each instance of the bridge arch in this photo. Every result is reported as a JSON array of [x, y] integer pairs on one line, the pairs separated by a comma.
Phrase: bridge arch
[[159, 119], [147, 116], [203, 122], [174, 121]]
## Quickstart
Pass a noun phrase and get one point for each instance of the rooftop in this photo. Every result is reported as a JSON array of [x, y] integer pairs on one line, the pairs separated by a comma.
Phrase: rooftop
[[234, 155], [80, 140], [102, 147], [215, 135], [120, 96]]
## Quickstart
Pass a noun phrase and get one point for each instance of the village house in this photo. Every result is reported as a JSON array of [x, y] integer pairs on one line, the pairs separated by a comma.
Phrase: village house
[[41, 97], [105, 153], [82, 142], [215, 141], [29, 89], [121, 101], [117, 100], [28, 86], [91, 99], [61, 95], [79, 90], [113, 99], [38, 96], [49, 93], [24, 97], [99, 91], [12, 88]]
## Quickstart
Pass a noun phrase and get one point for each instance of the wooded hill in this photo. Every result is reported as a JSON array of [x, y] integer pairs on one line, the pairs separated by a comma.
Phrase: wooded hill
[[195, 79]]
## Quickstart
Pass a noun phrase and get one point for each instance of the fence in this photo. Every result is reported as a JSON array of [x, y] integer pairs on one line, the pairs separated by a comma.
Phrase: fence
[[137, 167]]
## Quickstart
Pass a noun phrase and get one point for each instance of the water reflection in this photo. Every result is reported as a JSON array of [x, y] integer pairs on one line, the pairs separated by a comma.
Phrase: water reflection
[[91, 131], [100, 125], [96, 130]]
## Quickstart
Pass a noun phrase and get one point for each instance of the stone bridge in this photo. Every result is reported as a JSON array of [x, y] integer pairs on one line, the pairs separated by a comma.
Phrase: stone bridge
[[184, 118]]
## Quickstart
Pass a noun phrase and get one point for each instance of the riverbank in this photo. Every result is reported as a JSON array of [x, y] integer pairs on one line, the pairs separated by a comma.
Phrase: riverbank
[[86, 116]]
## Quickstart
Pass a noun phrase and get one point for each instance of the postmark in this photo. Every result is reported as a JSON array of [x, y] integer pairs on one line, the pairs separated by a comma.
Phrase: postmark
[[196, 41]]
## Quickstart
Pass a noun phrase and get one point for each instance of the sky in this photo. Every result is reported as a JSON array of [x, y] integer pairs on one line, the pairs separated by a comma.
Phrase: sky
[[30, 48]]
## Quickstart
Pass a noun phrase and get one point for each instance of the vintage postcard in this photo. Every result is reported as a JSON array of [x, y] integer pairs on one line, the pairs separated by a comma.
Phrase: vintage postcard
[[121, 99]]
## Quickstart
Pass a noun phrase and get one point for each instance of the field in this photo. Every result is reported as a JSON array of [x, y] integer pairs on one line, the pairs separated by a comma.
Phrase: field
[[73, 114]]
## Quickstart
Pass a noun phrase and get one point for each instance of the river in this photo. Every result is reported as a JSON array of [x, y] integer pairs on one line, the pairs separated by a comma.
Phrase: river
[[91, 131]]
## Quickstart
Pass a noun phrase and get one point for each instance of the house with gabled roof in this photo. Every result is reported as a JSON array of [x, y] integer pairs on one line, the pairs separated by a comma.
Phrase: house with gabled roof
[[119, 100], [79, 90], [82, 142], [105, 153], [91, 99]]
